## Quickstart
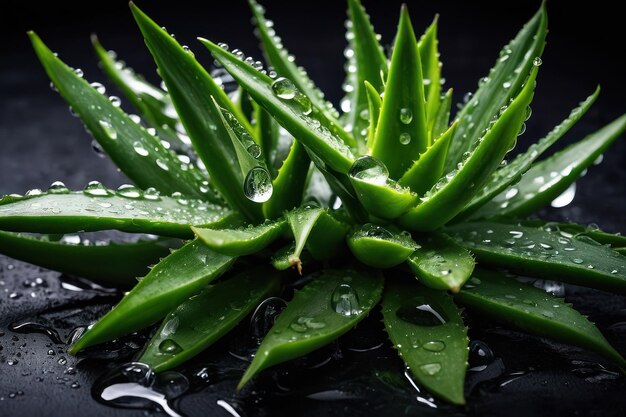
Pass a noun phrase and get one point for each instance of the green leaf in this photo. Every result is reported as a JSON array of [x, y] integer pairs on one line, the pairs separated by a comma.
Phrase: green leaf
[[427, 330], [379, 247], [269, 139], [301, 221], [289, 183], [448, 197], [534, 311], [440, 263], [442, 118], [141, 156], [428, 168], [285, 64], [402, 131], [542, 253], [327, 238], [431, 68], [153, 104], [98, 208], [242, 241], [172, 281], [293, 114], [616, 240], [511, 173], [502, 83], [366, 63], [192, 91], [206, 317], [379, 195], [547, 179], [374, 103], [89, 261], [327, 307]]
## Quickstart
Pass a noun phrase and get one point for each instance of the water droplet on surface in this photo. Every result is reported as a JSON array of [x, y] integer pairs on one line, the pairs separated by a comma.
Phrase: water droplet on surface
[[115, 101], [162, 164], [404, 138], [345, 301], [108, 129], [129, 191], [422, 313], [254, 150], [99, 87], [566, 197], [96, 189], [430, 369], [434, 346], [58, 187], [257, 185], [169, 347], [138, 147], [537, 61], [406, 115], [369, 169], [283, 88]]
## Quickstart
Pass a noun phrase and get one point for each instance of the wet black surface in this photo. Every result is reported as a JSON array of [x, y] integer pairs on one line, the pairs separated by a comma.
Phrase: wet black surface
[[40, 142]]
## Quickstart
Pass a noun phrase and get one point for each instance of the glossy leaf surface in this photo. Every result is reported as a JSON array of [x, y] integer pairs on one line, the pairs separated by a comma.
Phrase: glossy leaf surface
[[242, 241], [379, 247]]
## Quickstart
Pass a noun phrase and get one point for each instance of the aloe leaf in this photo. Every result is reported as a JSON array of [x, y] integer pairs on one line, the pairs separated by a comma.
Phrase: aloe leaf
[[549, 178], [534, 311], [173, 280], [89, 261], [327, 238], [141, 156], [152, 103], [402, 132], [374, 103], [327, 307], [289, 183], [502, 83], [242, 241], [616, 240], [206, 317], [507, 175], [296, 116], [379, 247], [442, 118], [426, 328], [428, 168], [301, 221], [459, 186], [285, 64], [431, 68], [542, 253], [440, 263], [269, 136], [192, 91], [98, 208], [366, 63]]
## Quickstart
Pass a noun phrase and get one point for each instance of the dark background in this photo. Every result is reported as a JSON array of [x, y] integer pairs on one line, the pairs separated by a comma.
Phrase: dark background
[[40, 142]]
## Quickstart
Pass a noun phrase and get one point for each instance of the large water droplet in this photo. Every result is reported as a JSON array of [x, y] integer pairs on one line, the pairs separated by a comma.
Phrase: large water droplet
[[406, 115], [58, 187], [345, 300], [434, 346], [430, 369], [108, 129], [566, 197], [170, 347], [404, 138], [257, 186], [138, 147], [254, 150], [283, 88], [129, 191], [96, 189], [369, 169], [422, 313]]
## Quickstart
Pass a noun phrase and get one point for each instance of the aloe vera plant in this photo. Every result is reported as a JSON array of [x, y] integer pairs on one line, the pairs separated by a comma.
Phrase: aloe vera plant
[[388, 201]]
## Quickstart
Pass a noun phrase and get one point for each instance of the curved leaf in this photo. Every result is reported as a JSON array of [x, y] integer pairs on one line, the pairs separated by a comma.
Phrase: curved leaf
[[243, 241], [549, 178], [431, 68], [402, 132], [80, 211], [457, 188], [167, 285], [141, 156], [442, 118], [440, 263], [206, 317], [327, 307], [427, 330], [374, 103], [513, 170], [542, 253], [616, 240], [192, 91], [380, 248], [534, 311], [502, 83], [89, 261]]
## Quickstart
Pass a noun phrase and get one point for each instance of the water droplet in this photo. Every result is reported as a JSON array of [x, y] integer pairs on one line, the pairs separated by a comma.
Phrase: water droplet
[[422, 313], [434, 346], [151, 193], [96, 189], [537, 61], [170, 347], [566, 197], [108, 129], [162, 164], [58, 187], [283, 88], [577, 261], [369, 169], [254, 150], [405, 138], [257, 185], [364, 114], [115, 101], [99, 87], [522, 129], [129, 191], [375, 231], [345, 301], [430, 369], [512, 192], [506, 85], [406, 115], [138, 147]]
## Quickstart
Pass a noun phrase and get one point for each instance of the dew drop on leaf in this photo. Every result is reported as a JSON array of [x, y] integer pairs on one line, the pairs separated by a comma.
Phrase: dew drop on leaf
[[406, 116], [138, 147], [96, 189], [430, 368], [108, 129], [283, 88], [257, 185], [58, 187], [405, 138], [345, 300], [170, 347], [369, 169]]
